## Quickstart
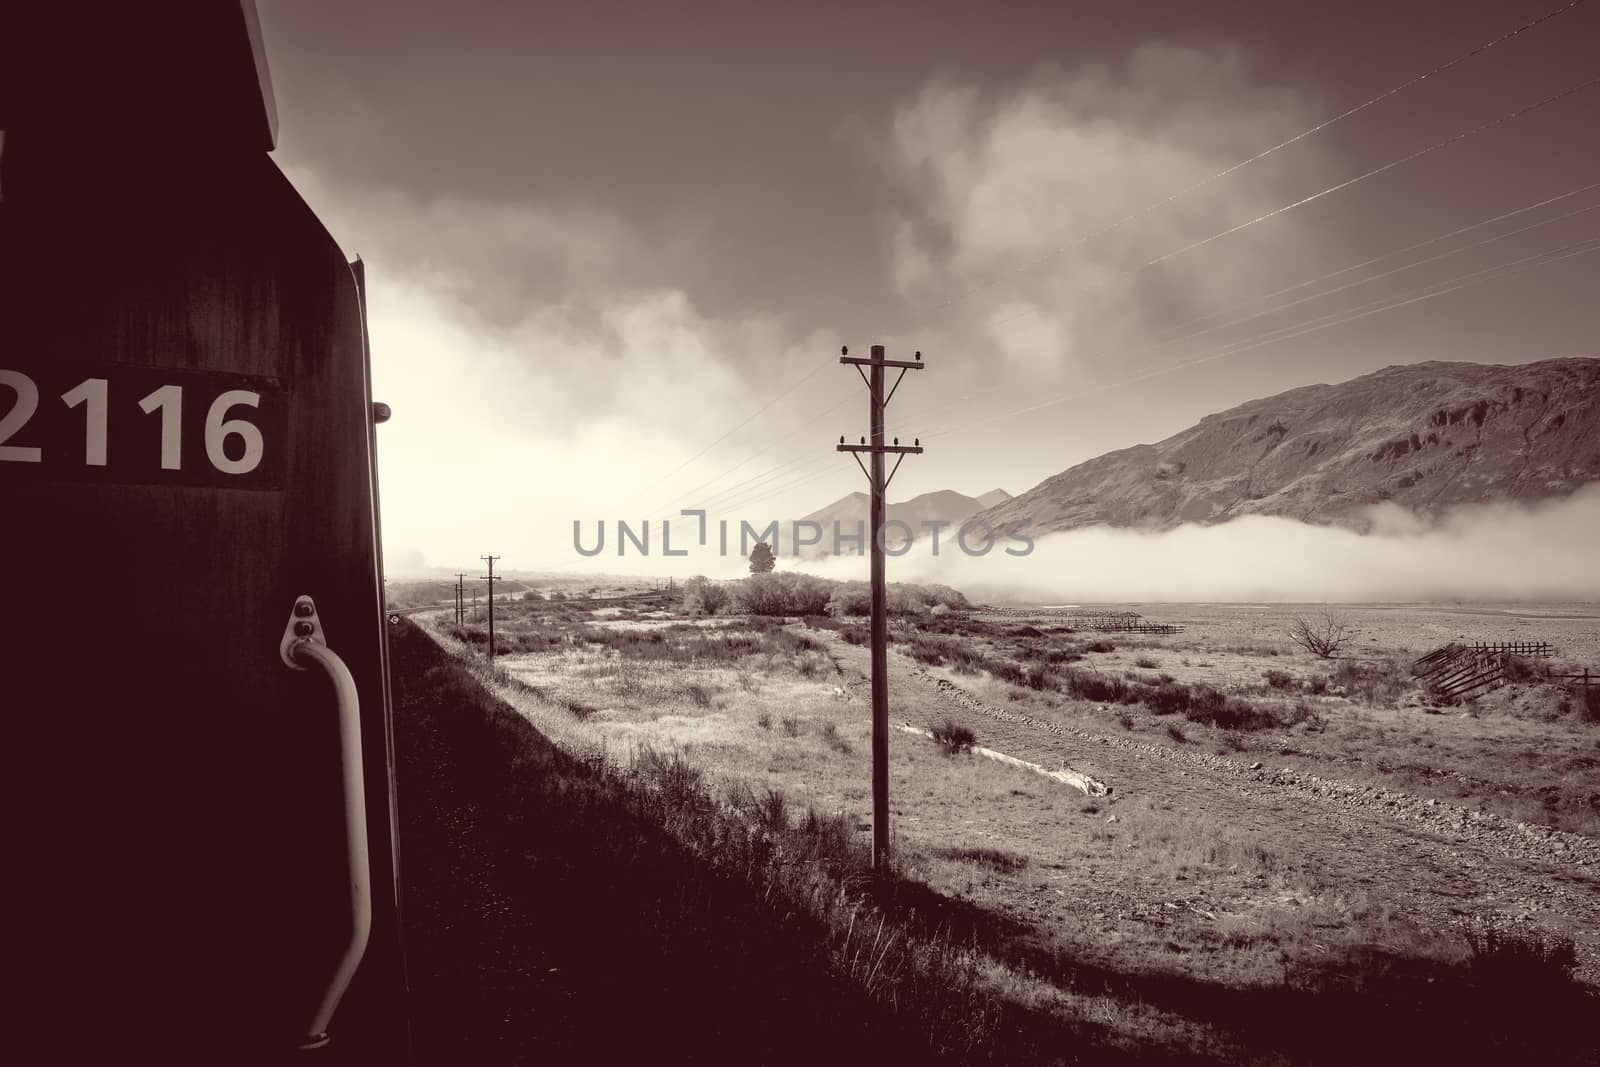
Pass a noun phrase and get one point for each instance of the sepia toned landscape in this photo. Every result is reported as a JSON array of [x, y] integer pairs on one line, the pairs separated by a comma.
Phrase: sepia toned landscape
[[1281, 838], [689, 533]]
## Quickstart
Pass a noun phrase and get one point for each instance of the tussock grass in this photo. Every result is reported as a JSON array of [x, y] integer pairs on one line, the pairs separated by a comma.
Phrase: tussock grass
[[1524, 959], [835, 740], [953, 737], [996, 859]]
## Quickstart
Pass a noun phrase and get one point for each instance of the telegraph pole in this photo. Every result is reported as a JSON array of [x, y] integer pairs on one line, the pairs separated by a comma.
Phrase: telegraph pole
[[876, 402], [461, 598], [491, 579]]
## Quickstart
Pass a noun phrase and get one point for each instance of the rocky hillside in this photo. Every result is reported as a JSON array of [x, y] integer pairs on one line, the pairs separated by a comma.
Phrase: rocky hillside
[[1427, 436]]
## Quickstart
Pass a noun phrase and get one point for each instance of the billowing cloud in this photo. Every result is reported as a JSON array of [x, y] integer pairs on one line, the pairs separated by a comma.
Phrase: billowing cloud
[[541, 368], [1503, 551], [1017, 196]]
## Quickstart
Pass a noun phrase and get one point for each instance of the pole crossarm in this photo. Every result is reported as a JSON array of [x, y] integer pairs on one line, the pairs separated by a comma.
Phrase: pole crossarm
[[903, 449], [903, 363]]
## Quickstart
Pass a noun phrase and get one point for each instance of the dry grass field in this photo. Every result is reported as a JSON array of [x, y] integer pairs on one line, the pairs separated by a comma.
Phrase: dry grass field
[[1289, 841]]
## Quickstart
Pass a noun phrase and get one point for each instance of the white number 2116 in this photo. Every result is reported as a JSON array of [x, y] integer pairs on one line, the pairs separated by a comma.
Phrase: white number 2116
[[93, 394]]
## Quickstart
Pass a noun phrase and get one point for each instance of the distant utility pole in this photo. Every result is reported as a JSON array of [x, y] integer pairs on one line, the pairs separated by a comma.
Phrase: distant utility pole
[[491, 579], [461, 598], [876, 402]]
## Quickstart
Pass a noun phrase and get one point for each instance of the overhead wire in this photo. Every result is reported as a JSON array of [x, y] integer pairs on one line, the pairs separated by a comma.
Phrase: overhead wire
[[1302, 135], [1429, 292], [1347, 183]]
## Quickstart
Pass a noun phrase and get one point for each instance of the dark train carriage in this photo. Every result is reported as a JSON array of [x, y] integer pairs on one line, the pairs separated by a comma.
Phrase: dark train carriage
[[194, 684]]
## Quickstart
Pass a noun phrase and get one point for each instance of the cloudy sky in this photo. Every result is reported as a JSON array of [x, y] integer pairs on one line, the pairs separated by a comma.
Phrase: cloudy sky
[[613, 249]]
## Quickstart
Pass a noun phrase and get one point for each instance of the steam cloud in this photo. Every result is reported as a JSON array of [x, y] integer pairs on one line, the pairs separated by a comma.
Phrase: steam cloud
[[1504, 551]]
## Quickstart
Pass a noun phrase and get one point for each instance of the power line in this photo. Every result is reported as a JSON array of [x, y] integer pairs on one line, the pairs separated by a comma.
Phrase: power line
[[1302, 135], [687, 495], [753, 415], [1375, 277], [1417, 246], [1323, 322], [1374, 172], [1371, 261]]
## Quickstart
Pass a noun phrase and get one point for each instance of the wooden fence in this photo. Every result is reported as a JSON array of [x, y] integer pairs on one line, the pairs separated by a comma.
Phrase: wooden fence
[[1129, 622], [1461, 670]]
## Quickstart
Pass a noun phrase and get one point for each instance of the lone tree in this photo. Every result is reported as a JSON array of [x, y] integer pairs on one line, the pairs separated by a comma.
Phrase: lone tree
[[1323, 636], [761, 559]]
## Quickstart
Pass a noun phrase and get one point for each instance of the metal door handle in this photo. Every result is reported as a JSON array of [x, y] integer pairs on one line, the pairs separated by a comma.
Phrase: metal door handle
[[303, 645]]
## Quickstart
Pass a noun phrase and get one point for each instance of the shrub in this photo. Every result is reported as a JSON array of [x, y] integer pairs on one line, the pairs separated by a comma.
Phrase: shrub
[[1323, 636], [1099, 646], [768, 809], [1147, 662], [698, 695], [828, 839], [1175, 732], [850, 598], [1278, 679], [1087, 685], [1230, 714], [1124, 720], [1521, 669], [834, 740], [702, 596], [791, 726], [782, 594], [1006, 671], [764, 721], [954, 737], [1377, 683], [1519, 959]]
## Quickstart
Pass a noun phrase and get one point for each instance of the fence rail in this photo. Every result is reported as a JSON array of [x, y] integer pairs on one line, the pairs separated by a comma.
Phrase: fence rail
[[1459, 670]]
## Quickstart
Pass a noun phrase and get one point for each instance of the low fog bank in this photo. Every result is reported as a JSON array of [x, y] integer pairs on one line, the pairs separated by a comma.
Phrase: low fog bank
[[1544, 551]]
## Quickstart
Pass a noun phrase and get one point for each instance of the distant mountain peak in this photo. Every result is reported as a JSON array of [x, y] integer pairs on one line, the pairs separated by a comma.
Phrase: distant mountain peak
[[939, 505]]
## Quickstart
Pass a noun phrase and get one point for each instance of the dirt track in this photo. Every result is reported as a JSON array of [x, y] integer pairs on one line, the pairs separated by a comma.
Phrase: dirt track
[[1436, 862]]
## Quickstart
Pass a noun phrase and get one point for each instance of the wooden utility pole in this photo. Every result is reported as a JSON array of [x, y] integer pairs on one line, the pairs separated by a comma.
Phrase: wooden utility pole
[[461, 598], [876, 402], [491, 579]]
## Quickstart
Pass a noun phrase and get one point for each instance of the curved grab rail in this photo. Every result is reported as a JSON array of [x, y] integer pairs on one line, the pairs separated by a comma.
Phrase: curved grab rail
[[303, 644]]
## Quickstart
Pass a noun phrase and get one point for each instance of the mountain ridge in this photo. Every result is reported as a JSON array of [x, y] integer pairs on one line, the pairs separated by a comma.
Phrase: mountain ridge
[[1427, 436]]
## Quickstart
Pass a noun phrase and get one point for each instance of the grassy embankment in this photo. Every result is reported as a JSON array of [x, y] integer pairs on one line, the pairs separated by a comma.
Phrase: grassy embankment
[[761, 802]]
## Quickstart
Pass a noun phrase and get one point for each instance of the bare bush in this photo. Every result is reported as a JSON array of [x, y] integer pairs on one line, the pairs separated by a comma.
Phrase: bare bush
[[1323, 636]]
